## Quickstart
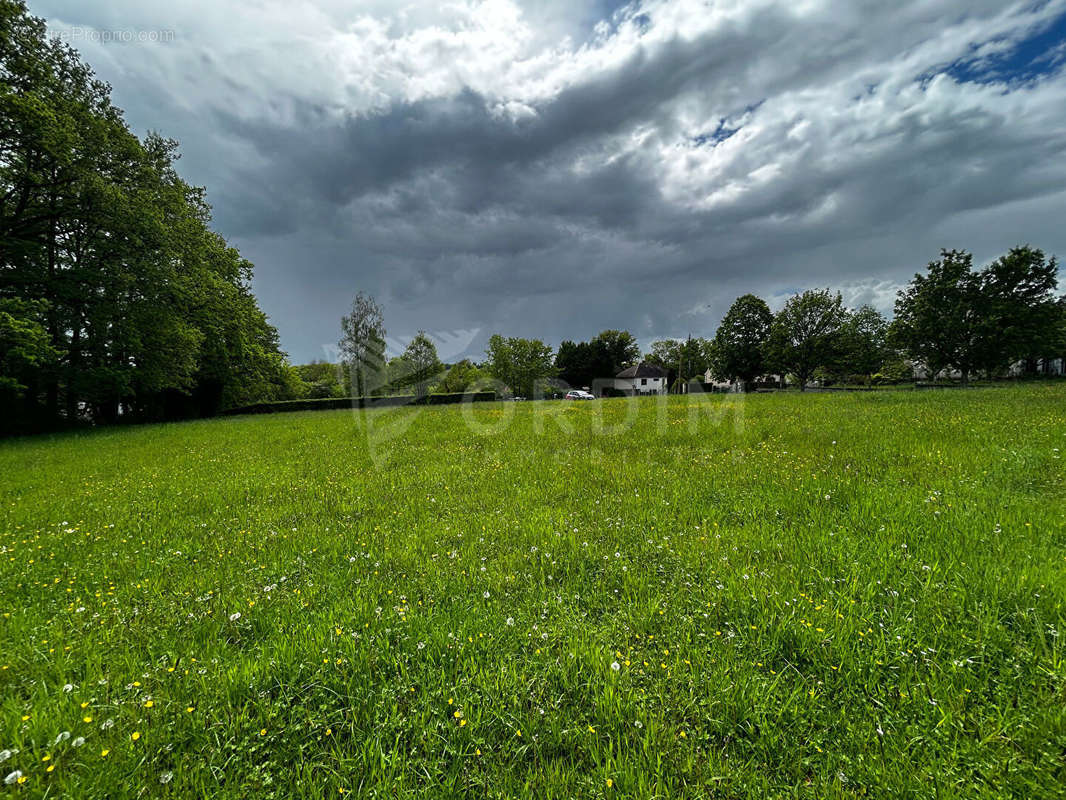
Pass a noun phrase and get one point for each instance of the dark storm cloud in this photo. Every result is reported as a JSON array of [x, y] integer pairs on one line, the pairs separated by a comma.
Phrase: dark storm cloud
[[679, 157]]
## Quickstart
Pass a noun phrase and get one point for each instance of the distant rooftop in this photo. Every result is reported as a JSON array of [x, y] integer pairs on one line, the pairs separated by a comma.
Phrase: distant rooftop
[[642, 370]]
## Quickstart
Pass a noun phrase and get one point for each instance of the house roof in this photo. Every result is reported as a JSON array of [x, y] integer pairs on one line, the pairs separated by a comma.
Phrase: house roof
[[642, 370]]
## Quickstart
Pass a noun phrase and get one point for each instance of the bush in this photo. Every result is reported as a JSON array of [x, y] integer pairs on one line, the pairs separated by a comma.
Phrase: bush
[[894, 372]]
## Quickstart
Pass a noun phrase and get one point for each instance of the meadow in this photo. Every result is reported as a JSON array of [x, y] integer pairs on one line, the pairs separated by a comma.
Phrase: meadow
[[731, 597]]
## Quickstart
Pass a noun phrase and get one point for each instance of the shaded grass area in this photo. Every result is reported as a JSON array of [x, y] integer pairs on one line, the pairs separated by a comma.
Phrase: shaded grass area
[[798, 596]]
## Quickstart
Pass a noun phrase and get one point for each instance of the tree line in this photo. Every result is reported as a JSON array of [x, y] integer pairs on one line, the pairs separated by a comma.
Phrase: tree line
[[117, 299], [953, 319]]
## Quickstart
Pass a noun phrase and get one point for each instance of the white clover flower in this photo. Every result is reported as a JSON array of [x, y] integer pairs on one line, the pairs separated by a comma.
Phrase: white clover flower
[[78, 742], [109, 723], [63, 737], [5, 755], [166, 777], [615, 666], [235, 616], [486, 595], [12, 777], [68, 688]]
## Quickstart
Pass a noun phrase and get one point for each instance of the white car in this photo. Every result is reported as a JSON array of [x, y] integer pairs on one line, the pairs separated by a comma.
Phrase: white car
[[577, 394]]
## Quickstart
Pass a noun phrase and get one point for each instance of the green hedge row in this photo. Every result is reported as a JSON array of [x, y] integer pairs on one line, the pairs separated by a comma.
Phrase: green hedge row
[[335, 403]]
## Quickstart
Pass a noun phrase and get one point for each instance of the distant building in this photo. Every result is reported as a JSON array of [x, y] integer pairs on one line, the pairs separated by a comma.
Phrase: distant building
[[641, 379]]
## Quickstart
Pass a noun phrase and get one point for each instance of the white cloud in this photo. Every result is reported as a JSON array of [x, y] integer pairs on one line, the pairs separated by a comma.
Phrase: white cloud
[[468, 159]]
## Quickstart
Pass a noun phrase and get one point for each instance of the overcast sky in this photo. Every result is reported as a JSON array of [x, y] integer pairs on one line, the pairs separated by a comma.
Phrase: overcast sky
[[551, 168]]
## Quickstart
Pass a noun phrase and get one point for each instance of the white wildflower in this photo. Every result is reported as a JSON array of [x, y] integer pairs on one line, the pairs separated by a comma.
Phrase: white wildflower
[[615, 666], [235, 616], [12, 777]]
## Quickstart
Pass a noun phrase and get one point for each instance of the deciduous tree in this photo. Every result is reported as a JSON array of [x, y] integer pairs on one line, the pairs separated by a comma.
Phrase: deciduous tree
[[362, 344], [805, 335], [740, 342]]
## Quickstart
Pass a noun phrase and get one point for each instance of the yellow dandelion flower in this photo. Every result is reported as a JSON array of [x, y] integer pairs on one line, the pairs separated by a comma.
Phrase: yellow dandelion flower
[[610, 783], [50, 767], [135, 735], [190, 709], [591, 729], [86, 719], [104, 752], [149, 703], [263, 732]]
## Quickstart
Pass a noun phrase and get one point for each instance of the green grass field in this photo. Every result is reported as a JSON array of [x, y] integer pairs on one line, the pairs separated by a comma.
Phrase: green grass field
[[799, 596]]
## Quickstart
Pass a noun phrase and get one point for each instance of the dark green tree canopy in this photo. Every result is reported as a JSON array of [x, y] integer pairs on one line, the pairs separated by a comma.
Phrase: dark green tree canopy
[[936, 316], [806, 334], [118, 299], [863, 344], [520, 364], [1019, 313], [954, 317], [740, 342], [604, 356]]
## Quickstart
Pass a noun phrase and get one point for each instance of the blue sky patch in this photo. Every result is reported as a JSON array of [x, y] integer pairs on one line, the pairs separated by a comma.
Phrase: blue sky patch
[[1041, 53]]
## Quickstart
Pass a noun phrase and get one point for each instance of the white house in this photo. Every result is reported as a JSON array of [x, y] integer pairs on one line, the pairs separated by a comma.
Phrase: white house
[[642, 379]]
